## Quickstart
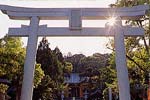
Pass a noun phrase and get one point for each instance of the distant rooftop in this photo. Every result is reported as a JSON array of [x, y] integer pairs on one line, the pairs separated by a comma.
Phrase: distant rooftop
[[73, 78]]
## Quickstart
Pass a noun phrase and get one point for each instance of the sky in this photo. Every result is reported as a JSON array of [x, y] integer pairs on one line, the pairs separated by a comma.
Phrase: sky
[[75, 45]]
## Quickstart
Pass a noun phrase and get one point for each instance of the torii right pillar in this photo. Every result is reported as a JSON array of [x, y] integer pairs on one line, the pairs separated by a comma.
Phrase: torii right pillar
[[121, 66]]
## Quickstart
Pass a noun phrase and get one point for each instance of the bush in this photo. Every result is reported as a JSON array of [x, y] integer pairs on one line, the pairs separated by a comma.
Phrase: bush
[[3, 88]]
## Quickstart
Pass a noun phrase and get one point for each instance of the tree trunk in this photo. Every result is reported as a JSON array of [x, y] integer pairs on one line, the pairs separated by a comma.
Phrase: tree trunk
[[18, 93]]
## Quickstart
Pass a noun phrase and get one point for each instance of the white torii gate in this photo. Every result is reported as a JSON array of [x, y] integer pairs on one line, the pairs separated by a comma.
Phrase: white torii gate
[[75, 17]]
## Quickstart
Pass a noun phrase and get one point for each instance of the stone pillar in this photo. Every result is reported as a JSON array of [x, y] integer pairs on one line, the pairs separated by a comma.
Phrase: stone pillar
[[62, 95], [29, 66], [121, 66], [110, 93], [85, 95]]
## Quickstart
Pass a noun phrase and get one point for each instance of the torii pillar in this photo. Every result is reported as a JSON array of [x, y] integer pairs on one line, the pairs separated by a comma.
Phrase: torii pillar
[[29, 66], [75, 16], [121, 66]]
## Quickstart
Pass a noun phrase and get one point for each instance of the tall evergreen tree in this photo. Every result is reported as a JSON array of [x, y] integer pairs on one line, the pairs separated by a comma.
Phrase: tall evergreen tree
[[54, 66]]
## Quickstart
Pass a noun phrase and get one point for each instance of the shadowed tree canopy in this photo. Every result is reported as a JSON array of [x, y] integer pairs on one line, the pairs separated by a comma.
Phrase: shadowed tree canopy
[[54, 67], [81, 63]]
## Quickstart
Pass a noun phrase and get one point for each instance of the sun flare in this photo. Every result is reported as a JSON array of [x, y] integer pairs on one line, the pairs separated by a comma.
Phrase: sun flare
[[111, 21]]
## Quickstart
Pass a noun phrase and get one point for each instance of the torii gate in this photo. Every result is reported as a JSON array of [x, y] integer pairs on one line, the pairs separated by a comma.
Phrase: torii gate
[[75, 16]]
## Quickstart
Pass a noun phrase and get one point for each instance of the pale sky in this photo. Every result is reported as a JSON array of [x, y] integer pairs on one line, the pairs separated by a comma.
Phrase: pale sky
[[85, 45]]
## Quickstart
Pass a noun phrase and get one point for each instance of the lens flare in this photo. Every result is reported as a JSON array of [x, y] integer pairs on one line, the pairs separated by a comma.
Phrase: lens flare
[[111, 21]]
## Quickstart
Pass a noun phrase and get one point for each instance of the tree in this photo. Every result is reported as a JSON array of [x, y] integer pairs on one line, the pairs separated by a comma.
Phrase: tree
[[12, 56], [97, 68], [137, 53], [95, 61], [54, 66], [75, 61]]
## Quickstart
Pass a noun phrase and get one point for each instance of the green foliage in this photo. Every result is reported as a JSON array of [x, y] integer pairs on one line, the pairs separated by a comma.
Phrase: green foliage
[[75, 61], [68, 67], [138, 51], [99, 68], [139, 70], [54, 67], [39, 74], [44, 90], [95, 61], [108, 76], [130, 3], [3, 88], [11, 57]]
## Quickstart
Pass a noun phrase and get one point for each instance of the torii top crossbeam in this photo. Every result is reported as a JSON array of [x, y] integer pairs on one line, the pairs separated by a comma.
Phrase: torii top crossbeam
[[64, 13], [75, 17]]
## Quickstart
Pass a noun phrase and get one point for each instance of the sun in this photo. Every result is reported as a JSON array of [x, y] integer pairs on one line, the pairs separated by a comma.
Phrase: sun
[[111, 21]]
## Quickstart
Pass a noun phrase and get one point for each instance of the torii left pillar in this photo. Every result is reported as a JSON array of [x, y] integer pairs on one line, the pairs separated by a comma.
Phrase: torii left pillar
[[26, 92]]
